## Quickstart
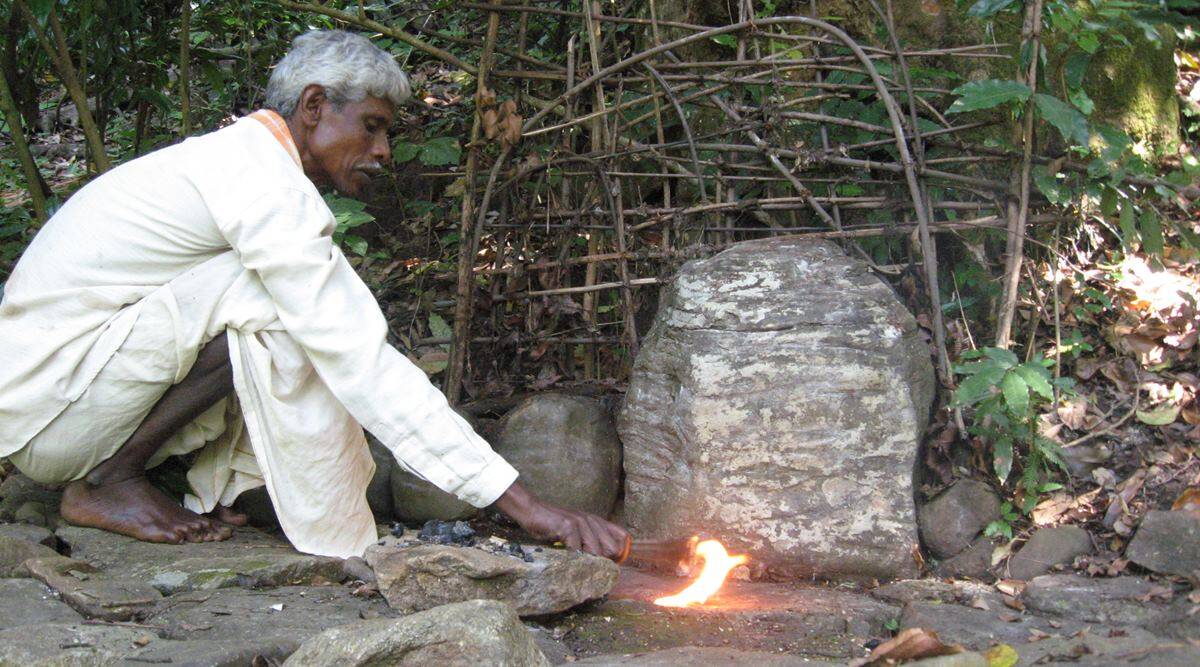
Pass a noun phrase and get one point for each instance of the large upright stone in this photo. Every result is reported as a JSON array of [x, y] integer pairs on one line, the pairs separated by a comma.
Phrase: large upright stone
[[778, 403], [566, 449]]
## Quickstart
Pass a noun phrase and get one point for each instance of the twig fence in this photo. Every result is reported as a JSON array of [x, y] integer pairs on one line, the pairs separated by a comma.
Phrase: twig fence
[[637, 158]]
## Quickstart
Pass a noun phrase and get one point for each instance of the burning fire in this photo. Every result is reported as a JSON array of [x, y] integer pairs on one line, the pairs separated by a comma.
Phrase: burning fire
[[717, 564]]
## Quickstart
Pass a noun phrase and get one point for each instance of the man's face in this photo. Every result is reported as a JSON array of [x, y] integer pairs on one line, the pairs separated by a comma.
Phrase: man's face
[[351, 145]]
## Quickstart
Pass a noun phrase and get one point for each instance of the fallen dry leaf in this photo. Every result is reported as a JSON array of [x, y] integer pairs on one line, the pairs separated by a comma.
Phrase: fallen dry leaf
[[1073, 413], [1011, 587], [910, 644], [1013, 603], [1008, 618], [1188, 501], [1036, 635]]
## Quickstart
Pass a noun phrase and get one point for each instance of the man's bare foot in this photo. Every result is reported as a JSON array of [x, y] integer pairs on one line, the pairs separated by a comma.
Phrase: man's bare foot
[[228, 515], [135, 508]]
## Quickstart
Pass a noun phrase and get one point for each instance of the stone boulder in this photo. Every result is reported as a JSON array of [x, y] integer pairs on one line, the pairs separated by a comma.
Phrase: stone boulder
[[1048, 548], [1167, 542], [477, 632], [566, 449], [415, 500], [14, 552], [778, 403], [416, 578], [951, 521]]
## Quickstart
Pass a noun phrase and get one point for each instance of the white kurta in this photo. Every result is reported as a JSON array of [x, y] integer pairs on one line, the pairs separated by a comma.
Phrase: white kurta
[[224, 233]]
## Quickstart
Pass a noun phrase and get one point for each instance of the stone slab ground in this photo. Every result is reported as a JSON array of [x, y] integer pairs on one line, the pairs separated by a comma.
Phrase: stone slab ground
[[265, 601]]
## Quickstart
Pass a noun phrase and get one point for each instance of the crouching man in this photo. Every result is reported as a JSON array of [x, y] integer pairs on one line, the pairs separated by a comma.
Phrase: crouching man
[[193, 301]]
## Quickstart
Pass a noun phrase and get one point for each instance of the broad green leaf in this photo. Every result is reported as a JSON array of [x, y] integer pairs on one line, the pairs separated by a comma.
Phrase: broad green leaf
[[440, 152], [1072, 124], [1075, 68], [1082, 101], [974, 367], [1037, 378], [978, 386], [1108, 202], [986, 8], [1152, 237], [988, 94], [1002, 458], [1129, 230], [438, 326], [404, 151], [1016, 393], [352, 219], [1049, 185], [1160, 417], [1088, 41], [356, 244], [1001, 355]]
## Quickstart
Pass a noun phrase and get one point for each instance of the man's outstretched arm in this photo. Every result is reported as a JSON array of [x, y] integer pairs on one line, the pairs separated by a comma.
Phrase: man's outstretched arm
[[578, 530]]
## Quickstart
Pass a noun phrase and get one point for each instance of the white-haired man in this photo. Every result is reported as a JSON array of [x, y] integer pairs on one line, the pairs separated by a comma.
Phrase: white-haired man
[[193, 301]]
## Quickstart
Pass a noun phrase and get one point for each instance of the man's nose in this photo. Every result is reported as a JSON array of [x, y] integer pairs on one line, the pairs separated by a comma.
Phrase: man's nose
[[381, 150]]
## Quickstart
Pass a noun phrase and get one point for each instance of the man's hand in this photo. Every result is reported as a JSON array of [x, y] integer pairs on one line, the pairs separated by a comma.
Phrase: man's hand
[[578, 530]]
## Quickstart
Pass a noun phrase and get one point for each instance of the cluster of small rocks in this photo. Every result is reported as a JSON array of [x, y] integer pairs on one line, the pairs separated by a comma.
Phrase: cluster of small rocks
[[952, 526]]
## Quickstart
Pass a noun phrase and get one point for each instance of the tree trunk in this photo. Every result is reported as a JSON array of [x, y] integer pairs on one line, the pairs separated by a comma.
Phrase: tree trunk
[[57, 50], [13, 117], [185, 47]]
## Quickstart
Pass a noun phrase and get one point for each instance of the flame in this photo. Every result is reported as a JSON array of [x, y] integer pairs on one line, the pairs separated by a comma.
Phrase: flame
[[717, 564]]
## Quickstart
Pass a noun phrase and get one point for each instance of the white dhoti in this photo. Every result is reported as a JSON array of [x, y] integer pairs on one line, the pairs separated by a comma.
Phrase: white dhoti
[[222, 234], [282, 428]]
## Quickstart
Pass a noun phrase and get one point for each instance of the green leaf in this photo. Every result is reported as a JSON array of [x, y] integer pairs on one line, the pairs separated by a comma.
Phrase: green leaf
[[978, 386], [1129, 230], [726, 40], [1088, 41], [404, 151], [1002, 454], [1016, 393], [988, 94], [440, 152], [1152, 236], [986, 8], [1075, 68], [356, 244], [1108, 202], [1048, 185], [1005, 357], [1072, 124], [1080, 99], [1037, 378], [438, 326]]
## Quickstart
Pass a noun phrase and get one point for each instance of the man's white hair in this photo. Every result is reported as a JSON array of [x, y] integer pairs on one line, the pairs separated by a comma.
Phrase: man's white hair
[[347, 65]]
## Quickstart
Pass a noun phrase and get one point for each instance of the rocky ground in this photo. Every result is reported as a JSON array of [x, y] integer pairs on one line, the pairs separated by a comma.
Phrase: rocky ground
[[79, 596]]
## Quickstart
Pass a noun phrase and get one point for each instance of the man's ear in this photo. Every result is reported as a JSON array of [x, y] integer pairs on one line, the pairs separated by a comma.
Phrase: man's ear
[[312, 100]]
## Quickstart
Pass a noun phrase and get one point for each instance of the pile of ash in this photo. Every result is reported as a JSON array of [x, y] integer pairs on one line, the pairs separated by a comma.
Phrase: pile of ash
[[460, 533]]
